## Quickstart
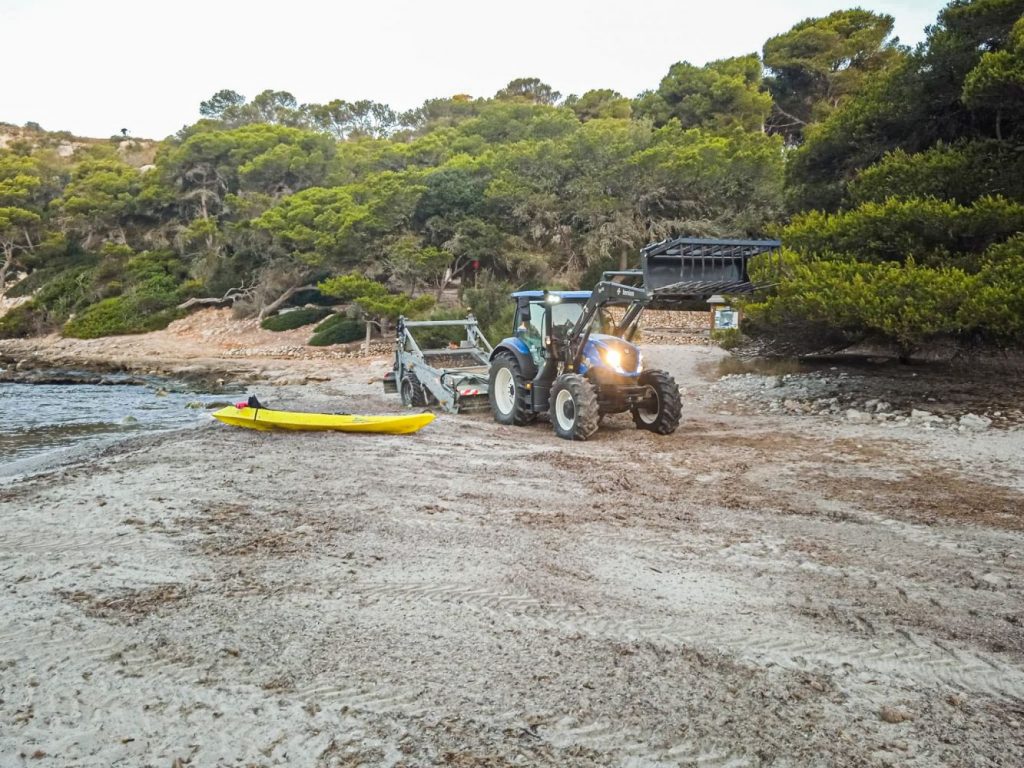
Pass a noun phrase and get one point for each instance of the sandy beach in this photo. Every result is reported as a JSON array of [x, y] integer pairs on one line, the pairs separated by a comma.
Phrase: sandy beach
[[756, 589]]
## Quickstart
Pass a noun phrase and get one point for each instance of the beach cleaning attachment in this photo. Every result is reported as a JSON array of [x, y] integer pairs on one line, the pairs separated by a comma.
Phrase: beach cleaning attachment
[[453, 376]]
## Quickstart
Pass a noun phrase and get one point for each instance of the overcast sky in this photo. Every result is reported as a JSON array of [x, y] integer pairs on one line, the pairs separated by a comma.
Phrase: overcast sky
[[98, 66]]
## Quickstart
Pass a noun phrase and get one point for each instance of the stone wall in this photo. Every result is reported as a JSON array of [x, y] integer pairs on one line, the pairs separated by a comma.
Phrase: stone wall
[[666, 327]]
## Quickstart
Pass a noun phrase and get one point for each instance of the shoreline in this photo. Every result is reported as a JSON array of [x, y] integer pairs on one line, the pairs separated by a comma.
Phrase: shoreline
[[208, 347], [72, 456]]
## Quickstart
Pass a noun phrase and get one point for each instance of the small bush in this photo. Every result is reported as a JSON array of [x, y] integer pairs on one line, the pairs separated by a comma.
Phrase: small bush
[[66, 293], [32, 283], [492, 305], [21, 322], [337, 329], [117, 316], [439, 338], [295, 319], [727, 338]]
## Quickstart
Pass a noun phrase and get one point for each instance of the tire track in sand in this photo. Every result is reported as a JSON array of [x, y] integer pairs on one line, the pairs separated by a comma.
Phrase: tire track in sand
[[633, 750], [901, 659]]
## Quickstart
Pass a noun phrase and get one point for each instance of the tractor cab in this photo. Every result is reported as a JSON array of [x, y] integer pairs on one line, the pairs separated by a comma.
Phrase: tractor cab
[[539, 313]]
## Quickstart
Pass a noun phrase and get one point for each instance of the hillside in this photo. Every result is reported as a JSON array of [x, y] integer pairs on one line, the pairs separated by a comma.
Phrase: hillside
[[892, 175], [32, 139]]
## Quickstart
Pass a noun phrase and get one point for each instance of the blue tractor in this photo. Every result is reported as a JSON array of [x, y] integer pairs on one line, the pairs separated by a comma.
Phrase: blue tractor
[[569, 360]]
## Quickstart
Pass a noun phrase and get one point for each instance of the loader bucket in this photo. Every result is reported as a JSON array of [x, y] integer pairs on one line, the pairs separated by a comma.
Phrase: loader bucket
[[686, 272]]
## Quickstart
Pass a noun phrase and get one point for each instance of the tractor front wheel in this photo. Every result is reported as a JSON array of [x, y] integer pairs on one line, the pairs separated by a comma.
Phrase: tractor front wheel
[[662, 407], [574, 409], [510, 399]]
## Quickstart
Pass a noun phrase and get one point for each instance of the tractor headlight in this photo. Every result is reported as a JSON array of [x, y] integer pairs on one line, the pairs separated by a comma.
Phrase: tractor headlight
[[613, 359]]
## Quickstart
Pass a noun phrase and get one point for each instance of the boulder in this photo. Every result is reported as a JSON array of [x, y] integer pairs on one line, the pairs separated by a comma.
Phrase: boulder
[[857, 417], [974, 423]]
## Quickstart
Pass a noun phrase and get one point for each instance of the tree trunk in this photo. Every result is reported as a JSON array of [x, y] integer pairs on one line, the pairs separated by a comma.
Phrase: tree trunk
[[272, 306], [230, 297], [5, 268], [369, 332]]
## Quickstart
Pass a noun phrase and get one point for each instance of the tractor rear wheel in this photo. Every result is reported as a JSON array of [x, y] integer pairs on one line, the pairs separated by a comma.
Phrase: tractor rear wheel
[[662, 408], [510, 399], [574, 409], [413, 393]]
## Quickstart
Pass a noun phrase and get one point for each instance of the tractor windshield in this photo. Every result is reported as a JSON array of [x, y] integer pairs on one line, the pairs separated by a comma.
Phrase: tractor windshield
[[534, 330], [564, 316]]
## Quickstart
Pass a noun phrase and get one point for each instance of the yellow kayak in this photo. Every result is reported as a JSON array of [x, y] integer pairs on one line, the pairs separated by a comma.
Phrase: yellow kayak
[[266, 419]]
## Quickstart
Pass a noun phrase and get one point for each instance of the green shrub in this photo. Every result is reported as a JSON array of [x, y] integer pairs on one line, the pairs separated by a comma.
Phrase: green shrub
[[117, 316], [961, 173], [932, 232], [727, 338], [66, 293], [21, 322], [297, 318], [439, 338], [32, 283], [996, 305], [492, 305], [905, 304], [338, 329], [312, 296]]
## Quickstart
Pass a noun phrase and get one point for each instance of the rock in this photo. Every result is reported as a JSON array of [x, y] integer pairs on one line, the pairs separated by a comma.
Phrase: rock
[[857, 417], [870, 405], [974, 423], [893, 715], [918, 415], [129, 420], [883, 407]]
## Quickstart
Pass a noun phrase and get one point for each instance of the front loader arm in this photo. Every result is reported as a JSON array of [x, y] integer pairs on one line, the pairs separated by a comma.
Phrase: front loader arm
[[605, 294]]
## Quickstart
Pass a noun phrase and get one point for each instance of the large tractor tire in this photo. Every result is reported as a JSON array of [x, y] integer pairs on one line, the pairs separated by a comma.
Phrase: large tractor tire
[[414, 395], [574, 409], [510, 399], [661, 411]]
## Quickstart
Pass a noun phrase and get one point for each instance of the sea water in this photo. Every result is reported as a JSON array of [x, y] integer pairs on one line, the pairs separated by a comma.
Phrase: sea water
[[39, 423]]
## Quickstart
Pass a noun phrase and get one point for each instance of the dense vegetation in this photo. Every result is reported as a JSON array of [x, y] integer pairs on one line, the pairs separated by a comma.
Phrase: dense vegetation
[[894, 176], [909, 196]]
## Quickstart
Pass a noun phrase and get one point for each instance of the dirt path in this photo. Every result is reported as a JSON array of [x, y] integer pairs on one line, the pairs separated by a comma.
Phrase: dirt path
[[753, 590]]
